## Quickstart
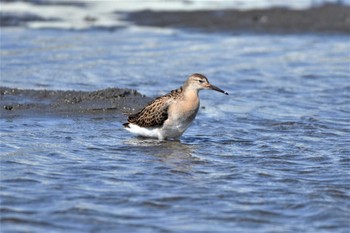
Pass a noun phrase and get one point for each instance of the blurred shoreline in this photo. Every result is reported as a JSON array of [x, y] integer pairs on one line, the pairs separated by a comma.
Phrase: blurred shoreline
[[328, 18], [325, 18]]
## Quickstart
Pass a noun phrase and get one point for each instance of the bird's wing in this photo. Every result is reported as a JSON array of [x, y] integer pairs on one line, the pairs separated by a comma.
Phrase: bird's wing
[[154, 114]]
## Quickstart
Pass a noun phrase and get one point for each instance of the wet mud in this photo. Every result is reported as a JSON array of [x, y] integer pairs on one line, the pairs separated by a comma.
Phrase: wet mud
[[25, 102], [328, 18]]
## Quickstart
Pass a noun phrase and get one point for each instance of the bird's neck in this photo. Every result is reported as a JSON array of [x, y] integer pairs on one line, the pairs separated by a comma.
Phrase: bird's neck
[[191, 95]]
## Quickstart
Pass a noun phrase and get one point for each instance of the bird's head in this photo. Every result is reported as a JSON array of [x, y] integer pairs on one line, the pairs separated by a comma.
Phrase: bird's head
[[200, 82]]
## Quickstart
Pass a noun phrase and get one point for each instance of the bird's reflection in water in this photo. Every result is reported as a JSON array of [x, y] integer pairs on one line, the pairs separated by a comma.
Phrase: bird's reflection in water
[[175, 154]]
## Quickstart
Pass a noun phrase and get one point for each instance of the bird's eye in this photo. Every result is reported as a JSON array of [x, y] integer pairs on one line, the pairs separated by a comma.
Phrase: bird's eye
[[201, 81]]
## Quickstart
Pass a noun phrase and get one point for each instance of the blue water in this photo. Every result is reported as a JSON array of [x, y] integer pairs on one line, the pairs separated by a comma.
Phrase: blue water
[[273, 156]]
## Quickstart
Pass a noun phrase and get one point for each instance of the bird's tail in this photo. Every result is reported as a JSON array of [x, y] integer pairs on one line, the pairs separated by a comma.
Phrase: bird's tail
[[126, 125]]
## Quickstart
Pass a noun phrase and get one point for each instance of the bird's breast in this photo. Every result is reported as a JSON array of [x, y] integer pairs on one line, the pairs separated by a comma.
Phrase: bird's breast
[[184, 110]]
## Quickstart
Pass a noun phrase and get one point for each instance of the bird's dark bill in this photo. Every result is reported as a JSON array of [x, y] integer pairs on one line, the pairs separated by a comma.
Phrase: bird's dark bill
[[215, 88]]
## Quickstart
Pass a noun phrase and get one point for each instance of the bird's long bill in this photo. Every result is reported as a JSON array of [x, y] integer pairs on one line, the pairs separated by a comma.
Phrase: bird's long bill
[[215, 88]]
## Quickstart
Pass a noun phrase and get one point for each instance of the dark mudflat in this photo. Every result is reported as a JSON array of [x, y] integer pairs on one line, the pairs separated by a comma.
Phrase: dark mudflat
[[26, 102], [328, 18]]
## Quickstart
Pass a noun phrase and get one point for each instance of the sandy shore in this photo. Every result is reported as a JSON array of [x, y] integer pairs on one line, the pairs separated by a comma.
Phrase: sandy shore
[[329, 18], [17, 102]]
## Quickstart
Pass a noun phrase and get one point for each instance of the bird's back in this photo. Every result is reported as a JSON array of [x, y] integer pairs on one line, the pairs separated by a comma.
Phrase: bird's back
[[155, 113]]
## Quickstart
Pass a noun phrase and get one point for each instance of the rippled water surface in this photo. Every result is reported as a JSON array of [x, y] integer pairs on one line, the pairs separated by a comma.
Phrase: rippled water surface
[[273, 156]]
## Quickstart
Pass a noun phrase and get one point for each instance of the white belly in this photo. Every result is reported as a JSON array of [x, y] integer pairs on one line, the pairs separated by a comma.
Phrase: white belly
[[175, 126], [170, 129], [145, 132], [174, 130]]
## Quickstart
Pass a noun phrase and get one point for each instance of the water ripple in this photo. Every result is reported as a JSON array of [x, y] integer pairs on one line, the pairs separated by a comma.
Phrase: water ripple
[[271, 156]]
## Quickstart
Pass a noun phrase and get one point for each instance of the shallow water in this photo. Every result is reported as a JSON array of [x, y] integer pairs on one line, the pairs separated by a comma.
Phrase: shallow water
[[273, 156]]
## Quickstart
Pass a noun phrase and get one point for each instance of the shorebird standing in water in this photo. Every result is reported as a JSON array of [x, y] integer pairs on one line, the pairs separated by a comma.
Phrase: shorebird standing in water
[[170, 115]]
